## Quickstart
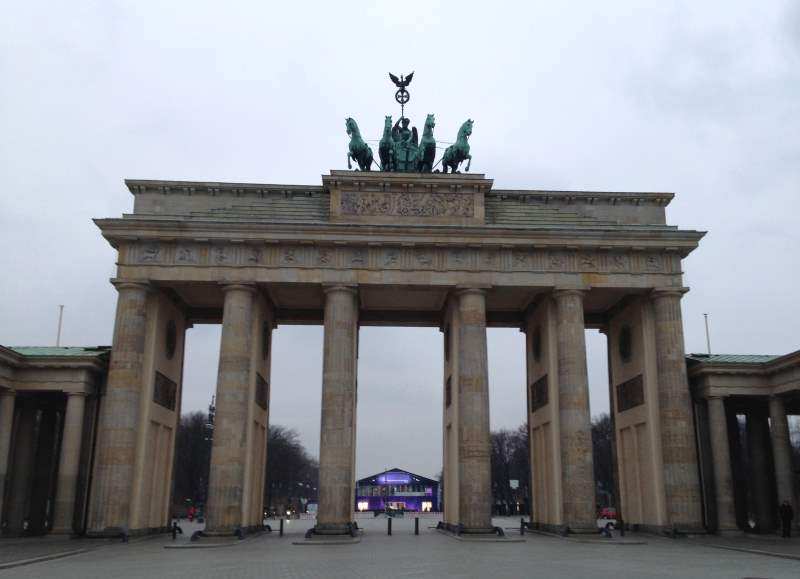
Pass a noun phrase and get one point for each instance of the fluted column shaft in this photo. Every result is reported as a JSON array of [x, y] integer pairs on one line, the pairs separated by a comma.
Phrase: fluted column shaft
[[781, 450], [69, 463], [226, 487], [7, 398], [575, 420], [474, 444], [338, 420], [119, 413], [723, 475], [681, 480]]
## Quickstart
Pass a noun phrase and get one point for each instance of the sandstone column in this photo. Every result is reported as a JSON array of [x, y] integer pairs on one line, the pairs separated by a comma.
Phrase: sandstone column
[[69, 463], [474, 445], [681, 480], [781, 451], [723, 477], [7, 399], [119, 414], [758, 450], [226, 487], [338, 423], [573, 402]]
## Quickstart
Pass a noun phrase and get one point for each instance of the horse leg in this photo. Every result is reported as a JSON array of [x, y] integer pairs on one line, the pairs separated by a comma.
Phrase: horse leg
[[469, 160], [349, 166]]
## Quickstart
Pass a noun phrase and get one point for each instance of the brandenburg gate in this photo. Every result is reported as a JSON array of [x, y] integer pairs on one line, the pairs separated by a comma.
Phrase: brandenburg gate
[[430, 249]]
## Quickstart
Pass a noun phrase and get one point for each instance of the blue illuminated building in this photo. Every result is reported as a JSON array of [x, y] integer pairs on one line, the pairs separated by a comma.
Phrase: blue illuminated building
[[398, 490]]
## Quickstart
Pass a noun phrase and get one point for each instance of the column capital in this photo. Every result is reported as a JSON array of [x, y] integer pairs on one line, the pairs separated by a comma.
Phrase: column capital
[[340, 287], [666, 292], [8, 392], [140, 284], [716, 396], [238, 286], [464, 290], [559, 292], [76, 393]]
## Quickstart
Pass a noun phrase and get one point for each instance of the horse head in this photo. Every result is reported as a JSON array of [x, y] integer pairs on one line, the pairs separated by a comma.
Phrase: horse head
[[466, 129], [352, 127], [430, 123]]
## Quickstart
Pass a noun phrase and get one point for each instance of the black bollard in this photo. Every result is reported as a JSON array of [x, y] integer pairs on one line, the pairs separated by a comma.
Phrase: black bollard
[[416, 525], [281, 529], [389, 525]]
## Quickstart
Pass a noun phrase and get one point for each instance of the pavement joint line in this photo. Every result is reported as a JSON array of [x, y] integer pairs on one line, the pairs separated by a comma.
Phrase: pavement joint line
[[617, 541], [43, 558], [217, 544], [755, 551]]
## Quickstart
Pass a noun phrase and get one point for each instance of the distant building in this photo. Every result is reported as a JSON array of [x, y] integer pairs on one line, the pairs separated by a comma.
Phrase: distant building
[[397, 489]]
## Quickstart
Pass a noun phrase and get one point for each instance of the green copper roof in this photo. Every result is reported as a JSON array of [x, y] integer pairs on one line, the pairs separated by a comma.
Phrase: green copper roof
[[733, 358], [60, 351]]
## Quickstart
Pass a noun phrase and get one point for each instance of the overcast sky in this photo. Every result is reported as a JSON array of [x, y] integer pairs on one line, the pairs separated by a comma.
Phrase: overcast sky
[[698, 98]]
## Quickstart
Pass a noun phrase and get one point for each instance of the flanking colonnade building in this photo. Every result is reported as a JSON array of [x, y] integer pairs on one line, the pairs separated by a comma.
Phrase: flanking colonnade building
[[445, 251]]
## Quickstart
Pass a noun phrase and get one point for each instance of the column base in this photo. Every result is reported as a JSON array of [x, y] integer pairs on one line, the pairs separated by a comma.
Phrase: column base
[[460, 529], [333, 530], [233, 531], [122, 532], [565, 530]]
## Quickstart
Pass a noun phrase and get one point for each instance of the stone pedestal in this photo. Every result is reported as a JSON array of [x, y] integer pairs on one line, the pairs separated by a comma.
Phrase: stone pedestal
[[338, 425], [782, 452], [474, 444], [681, 478], [723, 478], [119, 414], [7, 398], [69, 463], [574, 418], [227, 488]]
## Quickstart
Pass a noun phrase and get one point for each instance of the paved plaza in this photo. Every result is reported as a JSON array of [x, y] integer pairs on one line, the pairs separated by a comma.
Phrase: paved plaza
[[431, 554]]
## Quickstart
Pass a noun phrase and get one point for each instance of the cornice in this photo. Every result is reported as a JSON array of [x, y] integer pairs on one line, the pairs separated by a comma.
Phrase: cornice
[[117, 230], [138, 186], [215, 188], [661, 199]]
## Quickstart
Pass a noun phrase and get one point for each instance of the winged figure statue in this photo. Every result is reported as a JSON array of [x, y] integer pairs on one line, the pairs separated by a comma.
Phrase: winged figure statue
[[401, 82]]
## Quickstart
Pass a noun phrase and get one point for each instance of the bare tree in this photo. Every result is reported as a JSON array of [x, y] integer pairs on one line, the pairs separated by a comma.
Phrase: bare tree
[[510, 462], [292, 475], [602, 439], [192, 459]]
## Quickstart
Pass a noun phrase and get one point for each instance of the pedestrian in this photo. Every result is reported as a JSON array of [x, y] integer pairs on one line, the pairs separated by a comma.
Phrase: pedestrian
[[787, 514], [176, 529]]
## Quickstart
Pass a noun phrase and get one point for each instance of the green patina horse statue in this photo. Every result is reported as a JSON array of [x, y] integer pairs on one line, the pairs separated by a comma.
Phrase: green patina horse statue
[[386, 146], [427, 147], [456, 153], [359, 151]]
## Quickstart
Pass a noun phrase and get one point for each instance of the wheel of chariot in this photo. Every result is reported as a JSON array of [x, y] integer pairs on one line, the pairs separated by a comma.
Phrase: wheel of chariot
[[402, 96]]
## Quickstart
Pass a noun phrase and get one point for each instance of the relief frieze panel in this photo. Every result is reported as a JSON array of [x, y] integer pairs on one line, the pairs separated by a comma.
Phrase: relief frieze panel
[[400, 204], [377, 257]]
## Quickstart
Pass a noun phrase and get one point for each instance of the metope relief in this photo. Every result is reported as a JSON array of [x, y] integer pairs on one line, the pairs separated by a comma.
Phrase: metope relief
[[150, 253], [222, 255], [408, 204], [424, 258], [253, 256], [325, 257], [185, 254], [391, 257]]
